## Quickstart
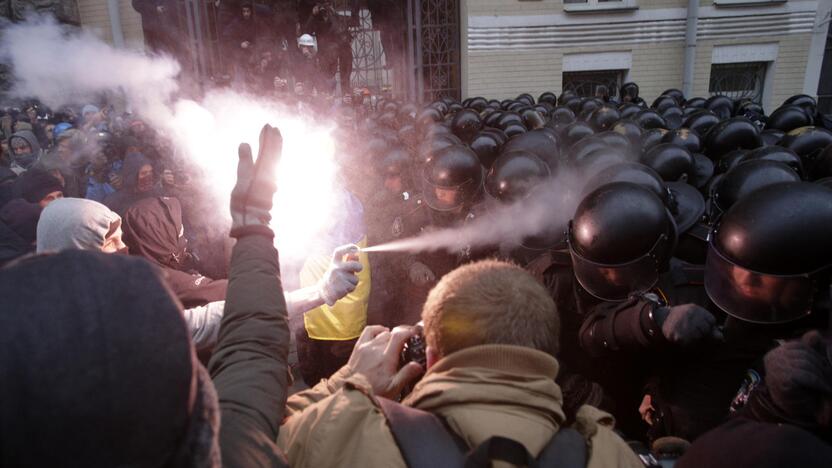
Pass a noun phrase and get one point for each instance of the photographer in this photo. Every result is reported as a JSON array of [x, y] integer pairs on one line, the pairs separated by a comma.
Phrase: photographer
[[494, 376]]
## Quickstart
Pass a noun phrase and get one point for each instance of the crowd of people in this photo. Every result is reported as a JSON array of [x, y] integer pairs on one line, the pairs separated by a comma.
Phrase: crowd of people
[[678, 313], [281, 46]]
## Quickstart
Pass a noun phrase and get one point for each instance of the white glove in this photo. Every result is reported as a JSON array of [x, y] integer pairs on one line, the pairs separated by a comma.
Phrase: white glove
[[340, 279]]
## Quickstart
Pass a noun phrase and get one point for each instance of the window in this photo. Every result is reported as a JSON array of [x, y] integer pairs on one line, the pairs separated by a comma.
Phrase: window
[[739, 80], [585, 83], [598, 5], [825, 84]]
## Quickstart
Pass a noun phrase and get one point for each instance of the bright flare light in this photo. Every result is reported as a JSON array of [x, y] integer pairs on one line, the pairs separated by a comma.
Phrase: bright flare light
[[305, 200]]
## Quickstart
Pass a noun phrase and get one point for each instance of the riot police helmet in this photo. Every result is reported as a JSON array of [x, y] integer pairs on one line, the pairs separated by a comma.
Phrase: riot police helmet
[[452, 178]]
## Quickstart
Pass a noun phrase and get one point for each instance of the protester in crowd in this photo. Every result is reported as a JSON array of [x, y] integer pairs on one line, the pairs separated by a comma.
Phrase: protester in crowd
[[25, 151], [160, 25], [138, 181], [18, 229], [39, 186], [74, 223], [334, 44]]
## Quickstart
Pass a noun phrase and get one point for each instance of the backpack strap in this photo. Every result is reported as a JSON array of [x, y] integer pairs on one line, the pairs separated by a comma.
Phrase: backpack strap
[[567, 449], [422, 438]]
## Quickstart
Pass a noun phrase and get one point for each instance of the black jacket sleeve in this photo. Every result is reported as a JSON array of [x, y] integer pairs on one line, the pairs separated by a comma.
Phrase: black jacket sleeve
[[626, 326], [249, 365]]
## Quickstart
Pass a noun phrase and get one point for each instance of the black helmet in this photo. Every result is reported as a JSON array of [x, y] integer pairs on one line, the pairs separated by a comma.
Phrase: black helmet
[[549, 97], [466, 124], [695, 103], [603, 118], [454, 108], [396, 161], [779, 154], [562, 115], [771, 136], [746, 178], [432, 145], [599, 158], [629, 110], [509, 118], [493, 119], [701, 122], [500, 135], [588, 106], [731, 160], [615, 140], [684, 202], [664, 102], [787, 118], [807, 142], [652, 137], [514, 174], [514, 129], [648, 118], [574, 132], [566, 95], [409, 135], [518, 107], [526, 98], [452, 178], [728, 135], [533, 119], [672, 162], [685, 138], [722, 106], [769, 256], [673, 116], [808, 103], [487, 148], [629, 92], [676, 94], [428, 116], [620, 240], [541, 143], [583, 147], [629, 129], [477, 103], [574, 103]]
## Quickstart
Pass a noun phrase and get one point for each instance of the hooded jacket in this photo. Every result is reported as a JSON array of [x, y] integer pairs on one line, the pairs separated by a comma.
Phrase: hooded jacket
[[480, 392], [74, 223], [21, 164], [122, 199], [153, 230]]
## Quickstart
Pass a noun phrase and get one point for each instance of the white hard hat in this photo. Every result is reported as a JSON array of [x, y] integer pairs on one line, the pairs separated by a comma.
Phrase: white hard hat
[[308, 41]]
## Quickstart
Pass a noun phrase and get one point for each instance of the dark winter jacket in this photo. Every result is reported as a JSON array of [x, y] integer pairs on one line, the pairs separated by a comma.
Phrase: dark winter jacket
[[122, 199], [18, 227], [153, 230], [249, 364]]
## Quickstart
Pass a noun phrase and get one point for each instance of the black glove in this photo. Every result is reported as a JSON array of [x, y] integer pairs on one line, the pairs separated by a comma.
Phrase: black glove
[[251, 199], [799, 377], [687, 324]]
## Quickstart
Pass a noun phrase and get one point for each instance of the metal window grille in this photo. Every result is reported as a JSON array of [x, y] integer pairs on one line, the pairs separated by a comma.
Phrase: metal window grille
[[738, 80], [584, 84]]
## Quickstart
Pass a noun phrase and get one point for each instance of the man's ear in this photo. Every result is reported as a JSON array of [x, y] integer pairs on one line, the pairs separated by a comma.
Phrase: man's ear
[[432, 356]]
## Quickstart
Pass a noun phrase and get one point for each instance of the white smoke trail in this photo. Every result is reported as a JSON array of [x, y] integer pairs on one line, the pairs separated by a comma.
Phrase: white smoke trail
[[547, 210]]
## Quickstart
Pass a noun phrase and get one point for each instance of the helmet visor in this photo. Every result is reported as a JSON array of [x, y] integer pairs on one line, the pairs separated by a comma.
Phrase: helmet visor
[[753, 296], [441, 198], [617, 282]]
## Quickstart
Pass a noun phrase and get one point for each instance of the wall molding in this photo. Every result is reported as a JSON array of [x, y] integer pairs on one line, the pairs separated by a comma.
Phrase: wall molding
[[640, 26]]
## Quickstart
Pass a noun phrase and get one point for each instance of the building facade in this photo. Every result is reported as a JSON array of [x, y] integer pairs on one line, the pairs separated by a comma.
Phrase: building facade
[[765, 50], [758, 49]]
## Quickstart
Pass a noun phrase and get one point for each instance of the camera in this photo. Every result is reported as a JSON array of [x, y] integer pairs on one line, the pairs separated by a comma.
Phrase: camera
[[414, 348]]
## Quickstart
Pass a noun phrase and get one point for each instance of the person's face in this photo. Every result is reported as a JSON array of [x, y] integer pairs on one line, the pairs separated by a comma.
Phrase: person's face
[[447, 197], [246, 13], [307, 51], [49, 129], [393, 183], [65, 149], [113, 243], [755, 287], [145, 182], [21, 147], [50, 197]]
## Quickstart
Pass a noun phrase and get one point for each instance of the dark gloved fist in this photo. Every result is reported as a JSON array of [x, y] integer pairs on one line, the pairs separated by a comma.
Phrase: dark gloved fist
[[687, 324], [340, 279], [799, 377], [251, 199]]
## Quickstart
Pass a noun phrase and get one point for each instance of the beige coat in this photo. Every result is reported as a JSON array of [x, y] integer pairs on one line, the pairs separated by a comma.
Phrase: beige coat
[[481, 392]]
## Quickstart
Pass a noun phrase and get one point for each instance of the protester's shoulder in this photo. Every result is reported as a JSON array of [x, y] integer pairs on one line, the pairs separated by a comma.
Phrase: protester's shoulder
[[346, 428], [606, 447]]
